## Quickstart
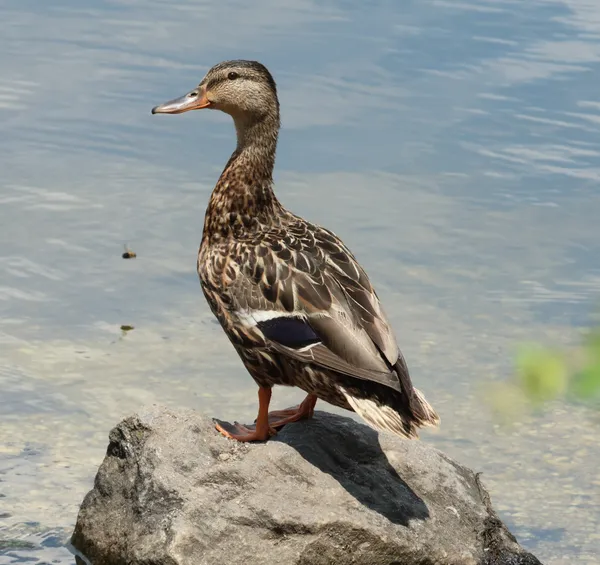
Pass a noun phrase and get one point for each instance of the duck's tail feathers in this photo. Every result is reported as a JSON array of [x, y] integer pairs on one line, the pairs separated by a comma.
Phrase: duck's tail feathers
[[413, 399], [401, 416], [380, 416], [423, 411]]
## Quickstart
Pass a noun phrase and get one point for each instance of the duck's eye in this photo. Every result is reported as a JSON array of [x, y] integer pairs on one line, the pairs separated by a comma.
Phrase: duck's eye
[[232, 75]]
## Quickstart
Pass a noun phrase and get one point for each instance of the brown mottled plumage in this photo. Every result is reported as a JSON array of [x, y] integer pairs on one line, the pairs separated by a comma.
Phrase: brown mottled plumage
[[291, 297]]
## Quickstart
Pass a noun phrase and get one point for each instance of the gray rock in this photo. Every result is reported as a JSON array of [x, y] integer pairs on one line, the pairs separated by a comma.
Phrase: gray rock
[[172, 491]]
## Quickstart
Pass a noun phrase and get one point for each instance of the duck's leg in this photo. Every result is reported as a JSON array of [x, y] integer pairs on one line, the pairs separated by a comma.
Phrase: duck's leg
[[303, 411], [262, 429]]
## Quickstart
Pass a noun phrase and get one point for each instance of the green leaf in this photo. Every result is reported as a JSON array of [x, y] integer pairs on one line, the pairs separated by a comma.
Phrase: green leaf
[[541, 373], [586, 384]]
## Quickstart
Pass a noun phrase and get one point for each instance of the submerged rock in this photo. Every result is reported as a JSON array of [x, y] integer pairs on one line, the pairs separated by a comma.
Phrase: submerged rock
[[172, 491]]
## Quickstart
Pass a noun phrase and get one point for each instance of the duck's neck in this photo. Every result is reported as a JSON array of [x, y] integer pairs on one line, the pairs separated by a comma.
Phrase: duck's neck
[[243, 198]]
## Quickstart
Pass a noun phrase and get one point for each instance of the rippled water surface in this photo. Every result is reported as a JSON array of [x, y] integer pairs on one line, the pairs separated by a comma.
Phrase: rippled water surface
[[452, 144]]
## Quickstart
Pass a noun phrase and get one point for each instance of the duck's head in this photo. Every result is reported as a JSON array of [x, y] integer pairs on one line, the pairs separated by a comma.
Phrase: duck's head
[[244, 89]]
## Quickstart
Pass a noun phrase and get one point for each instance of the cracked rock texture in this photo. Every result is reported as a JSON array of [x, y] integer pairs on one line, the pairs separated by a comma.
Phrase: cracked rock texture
[[172, 491]]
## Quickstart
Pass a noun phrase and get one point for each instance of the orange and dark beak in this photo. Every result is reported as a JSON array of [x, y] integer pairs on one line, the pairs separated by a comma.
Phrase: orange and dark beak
[[194, 100]]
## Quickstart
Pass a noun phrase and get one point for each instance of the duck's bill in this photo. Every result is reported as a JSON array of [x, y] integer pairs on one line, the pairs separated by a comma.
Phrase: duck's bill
[[194, 100]]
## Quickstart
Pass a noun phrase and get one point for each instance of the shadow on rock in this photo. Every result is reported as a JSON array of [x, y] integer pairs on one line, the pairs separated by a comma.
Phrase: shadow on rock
[[357, 463]]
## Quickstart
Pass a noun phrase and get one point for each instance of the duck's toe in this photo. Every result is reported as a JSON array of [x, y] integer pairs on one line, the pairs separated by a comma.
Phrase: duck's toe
[[304, 411], [240, 432], [277, 415]]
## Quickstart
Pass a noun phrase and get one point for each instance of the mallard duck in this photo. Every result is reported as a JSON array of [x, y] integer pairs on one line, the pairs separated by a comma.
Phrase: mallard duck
[[295, 303]]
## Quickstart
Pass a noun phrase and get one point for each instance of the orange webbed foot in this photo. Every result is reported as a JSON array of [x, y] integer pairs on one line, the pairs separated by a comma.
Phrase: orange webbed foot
[[240, 432], [304, 411]]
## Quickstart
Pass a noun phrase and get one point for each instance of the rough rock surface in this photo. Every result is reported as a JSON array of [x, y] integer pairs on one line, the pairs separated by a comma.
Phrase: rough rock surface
[[172, 491]]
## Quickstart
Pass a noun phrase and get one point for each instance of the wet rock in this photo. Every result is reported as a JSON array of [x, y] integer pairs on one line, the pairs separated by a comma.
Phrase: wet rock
[[172, 491]]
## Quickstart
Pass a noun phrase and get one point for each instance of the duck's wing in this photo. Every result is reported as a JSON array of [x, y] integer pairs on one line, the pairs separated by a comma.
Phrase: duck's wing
[[313, 302]]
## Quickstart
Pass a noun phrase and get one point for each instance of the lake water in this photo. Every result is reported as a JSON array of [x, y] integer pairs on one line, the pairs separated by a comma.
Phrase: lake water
[[452, 144]]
